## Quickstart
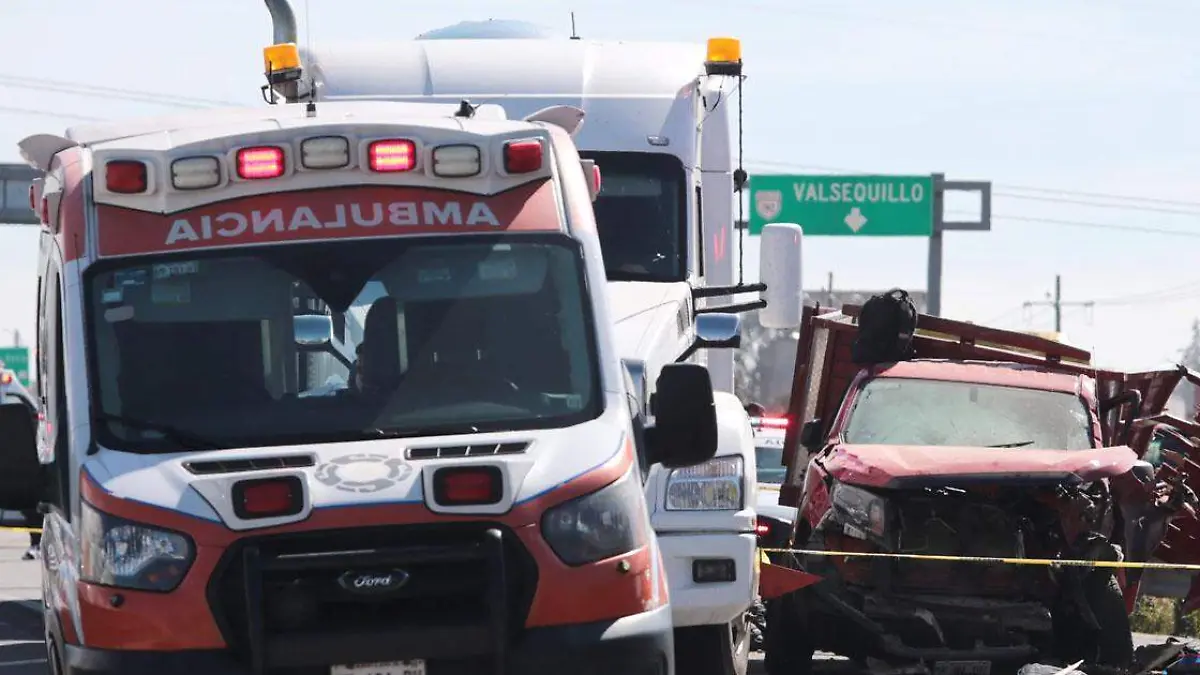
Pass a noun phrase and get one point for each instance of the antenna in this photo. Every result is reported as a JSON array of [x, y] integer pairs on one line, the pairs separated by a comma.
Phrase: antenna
[[574, 35]]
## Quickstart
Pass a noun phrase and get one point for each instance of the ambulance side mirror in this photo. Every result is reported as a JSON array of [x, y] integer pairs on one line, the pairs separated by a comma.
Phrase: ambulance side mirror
[[780, 247], [684, 432], [21, 485]]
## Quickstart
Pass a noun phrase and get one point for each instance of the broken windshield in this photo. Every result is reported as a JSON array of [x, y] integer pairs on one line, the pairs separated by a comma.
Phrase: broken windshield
[[903, 411]]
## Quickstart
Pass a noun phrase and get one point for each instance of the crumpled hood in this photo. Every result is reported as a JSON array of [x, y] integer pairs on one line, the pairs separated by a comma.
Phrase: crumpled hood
[[920, 466], [642, 311]]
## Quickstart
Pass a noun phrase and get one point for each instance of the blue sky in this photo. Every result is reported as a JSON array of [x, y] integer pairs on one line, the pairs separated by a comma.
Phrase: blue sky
[[1062, 105]]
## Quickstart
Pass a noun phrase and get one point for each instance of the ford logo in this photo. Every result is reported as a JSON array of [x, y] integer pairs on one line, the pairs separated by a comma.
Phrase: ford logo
[[373, 583]]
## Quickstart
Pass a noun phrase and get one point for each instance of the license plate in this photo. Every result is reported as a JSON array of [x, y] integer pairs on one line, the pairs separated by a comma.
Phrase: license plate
[[414, 667], [962, 668]]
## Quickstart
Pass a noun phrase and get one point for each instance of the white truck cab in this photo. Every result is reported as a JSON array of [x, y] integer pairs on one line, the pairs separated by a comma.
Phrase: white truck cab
[[335, 388], [658, 129]]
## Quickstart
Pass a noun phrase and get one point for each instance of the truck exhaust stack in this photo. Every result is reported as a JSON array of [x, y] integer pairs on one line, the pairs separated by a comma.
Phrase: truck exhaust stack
[[283, 21]]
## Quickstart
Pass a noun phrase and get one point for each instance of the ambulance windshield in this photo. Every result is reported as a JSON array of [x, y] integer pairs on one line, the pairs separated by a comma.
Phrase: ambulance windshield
[[641, 215], [339, 341]]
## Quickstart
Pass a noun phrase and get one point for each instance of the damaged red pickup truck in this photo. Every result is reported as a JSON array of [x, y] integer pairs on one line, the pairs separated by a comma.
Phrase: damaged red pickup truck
[[982, 443]]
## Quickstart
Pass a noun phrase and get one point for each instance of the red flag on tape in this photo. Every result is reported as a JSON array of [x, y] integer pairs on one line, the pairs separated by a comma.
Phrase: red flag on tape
[[775, 581]]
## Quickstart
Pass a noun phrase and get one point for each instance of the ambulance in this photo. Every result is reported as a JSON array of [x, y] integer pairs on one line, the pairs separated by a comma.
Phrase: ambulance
[[659, 127], [333, 387]]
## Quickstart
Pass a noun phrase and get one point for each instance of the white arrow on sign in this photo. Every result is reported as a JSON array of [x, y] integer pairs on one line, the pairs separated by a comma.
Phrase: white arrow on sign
[[855, 220]]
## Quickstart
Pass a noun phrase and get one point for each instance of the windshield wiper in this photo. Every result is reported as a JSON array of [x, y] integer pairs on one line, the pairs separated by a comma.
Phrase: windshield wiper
[[1018, 444], [186, 438], [427, 431]]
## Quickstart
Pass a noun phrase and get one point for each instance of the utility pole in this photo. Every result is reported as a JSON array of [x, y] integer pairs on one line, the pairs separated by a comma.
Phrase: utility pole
[[1057, 303]]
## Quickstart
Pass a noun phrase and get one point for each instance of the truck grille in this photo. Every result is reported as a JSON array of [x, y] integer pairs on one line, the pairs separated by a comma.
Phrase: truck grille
[[450, 591]]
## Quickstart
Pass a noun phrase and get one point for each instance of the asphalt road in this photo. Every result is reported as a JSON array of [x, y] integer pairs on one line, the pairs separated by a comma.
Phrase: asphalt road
[[22, 651]]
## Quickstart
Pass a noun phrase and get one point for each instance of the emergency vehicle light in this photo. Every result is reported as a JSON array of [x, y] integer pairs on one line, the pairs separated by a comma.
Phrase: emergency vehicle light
[[125, 176], [260, 162], [325, 152], [456, 161], [522, 156], [195, 173], [724, 56], [468, 486], [268, 497], [281, 62], [392, 155], [6, 378]]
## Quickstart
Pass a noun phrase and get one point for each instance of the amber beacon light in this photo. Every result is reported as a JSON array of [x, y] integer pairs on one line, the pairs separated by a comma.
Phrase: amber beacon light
[[724, 56]]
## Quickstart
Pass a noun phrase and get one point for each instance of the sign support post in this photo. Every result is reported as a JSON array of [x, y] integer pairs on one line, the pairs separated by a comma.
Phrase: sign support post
[[941, 225]]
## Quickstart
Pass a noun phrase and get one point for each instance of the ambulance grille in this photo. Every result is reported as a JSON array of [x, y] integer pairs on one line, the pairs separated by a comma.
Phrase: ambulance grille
[[208, 467], [479, 450]]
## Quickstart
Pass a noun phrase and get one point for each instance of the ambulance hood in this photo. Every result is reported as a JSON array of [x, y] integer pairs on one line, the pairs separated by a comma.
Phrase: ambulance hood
[[367, 473]]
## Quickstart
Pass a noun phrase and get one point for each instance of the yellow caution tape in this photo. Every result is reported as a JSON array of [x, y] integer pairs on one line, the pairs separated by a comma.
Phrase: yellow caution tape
[[27, 530], [1045, 562]]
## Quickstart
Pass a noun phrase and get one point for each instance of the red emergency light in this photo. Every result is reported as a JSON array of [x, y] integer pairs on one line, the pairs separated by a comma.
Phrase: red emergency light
[[260, 162], [268, 497], [762, 528], [773, 422], [392, 155], [6, 378], [522, 156], [468, 485], [125, 176]]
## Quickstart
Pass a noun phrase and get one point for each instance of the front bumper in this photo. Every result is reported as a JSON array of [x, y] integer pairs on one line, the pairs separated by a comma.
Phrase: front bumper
[[927, 627], [635, 645], [709, 603]]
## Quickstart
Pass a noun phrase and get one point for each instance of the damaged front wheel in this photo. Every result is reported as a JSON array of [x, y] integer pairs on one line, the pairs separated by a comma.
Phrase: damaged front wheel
[[1109, 641]]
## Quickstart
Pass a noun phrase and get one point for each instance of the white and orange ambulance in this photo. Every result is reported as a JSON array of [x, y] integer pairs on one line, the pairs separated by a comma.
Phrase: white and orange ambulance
[[332, 388]]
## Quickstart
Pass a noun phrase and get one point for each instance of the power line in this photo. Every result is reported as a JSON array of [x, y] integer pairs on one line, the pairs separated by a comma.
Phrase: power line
[[1004, 186], [48, 113], [1057, 303], [81, 89]]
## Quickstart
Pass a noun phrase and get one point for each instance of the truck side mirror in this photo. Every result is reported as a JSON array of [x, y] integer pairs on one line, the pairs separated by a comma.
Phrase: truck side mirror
[[716, 330], [810, 435], [684, 432], [21, 479], [313, 331], [780, 257]]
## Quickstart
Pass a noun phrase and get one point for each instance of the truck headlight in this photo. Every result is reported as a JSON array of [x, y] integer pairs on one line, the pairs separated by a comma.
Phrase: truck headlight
[[715, 485], [608, 522], [117, 552], [861, 508]]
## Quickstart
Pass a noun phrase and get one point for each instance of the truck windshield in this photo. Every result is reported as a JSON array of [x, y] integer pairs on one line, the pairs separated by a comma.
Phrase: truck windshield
[[641, 215], [903, 411], [341, 341]]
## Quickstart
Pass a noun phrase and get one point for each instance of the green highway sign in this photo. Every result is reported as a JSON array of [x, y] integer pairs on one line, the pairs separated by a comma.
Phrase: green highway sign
[[16, 359], [866, 206]]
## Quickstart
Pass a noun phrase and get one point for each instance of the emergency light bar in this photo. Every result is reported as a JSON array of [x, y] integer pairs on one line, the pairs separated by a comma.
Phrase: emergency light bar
[[128, 176]]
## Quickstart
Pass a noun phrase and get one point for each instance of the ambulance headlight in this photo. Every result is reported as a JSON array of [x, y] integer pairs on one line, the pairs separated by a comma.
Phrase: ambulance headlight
[[603, 524], [715, 485], [124, 554]]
